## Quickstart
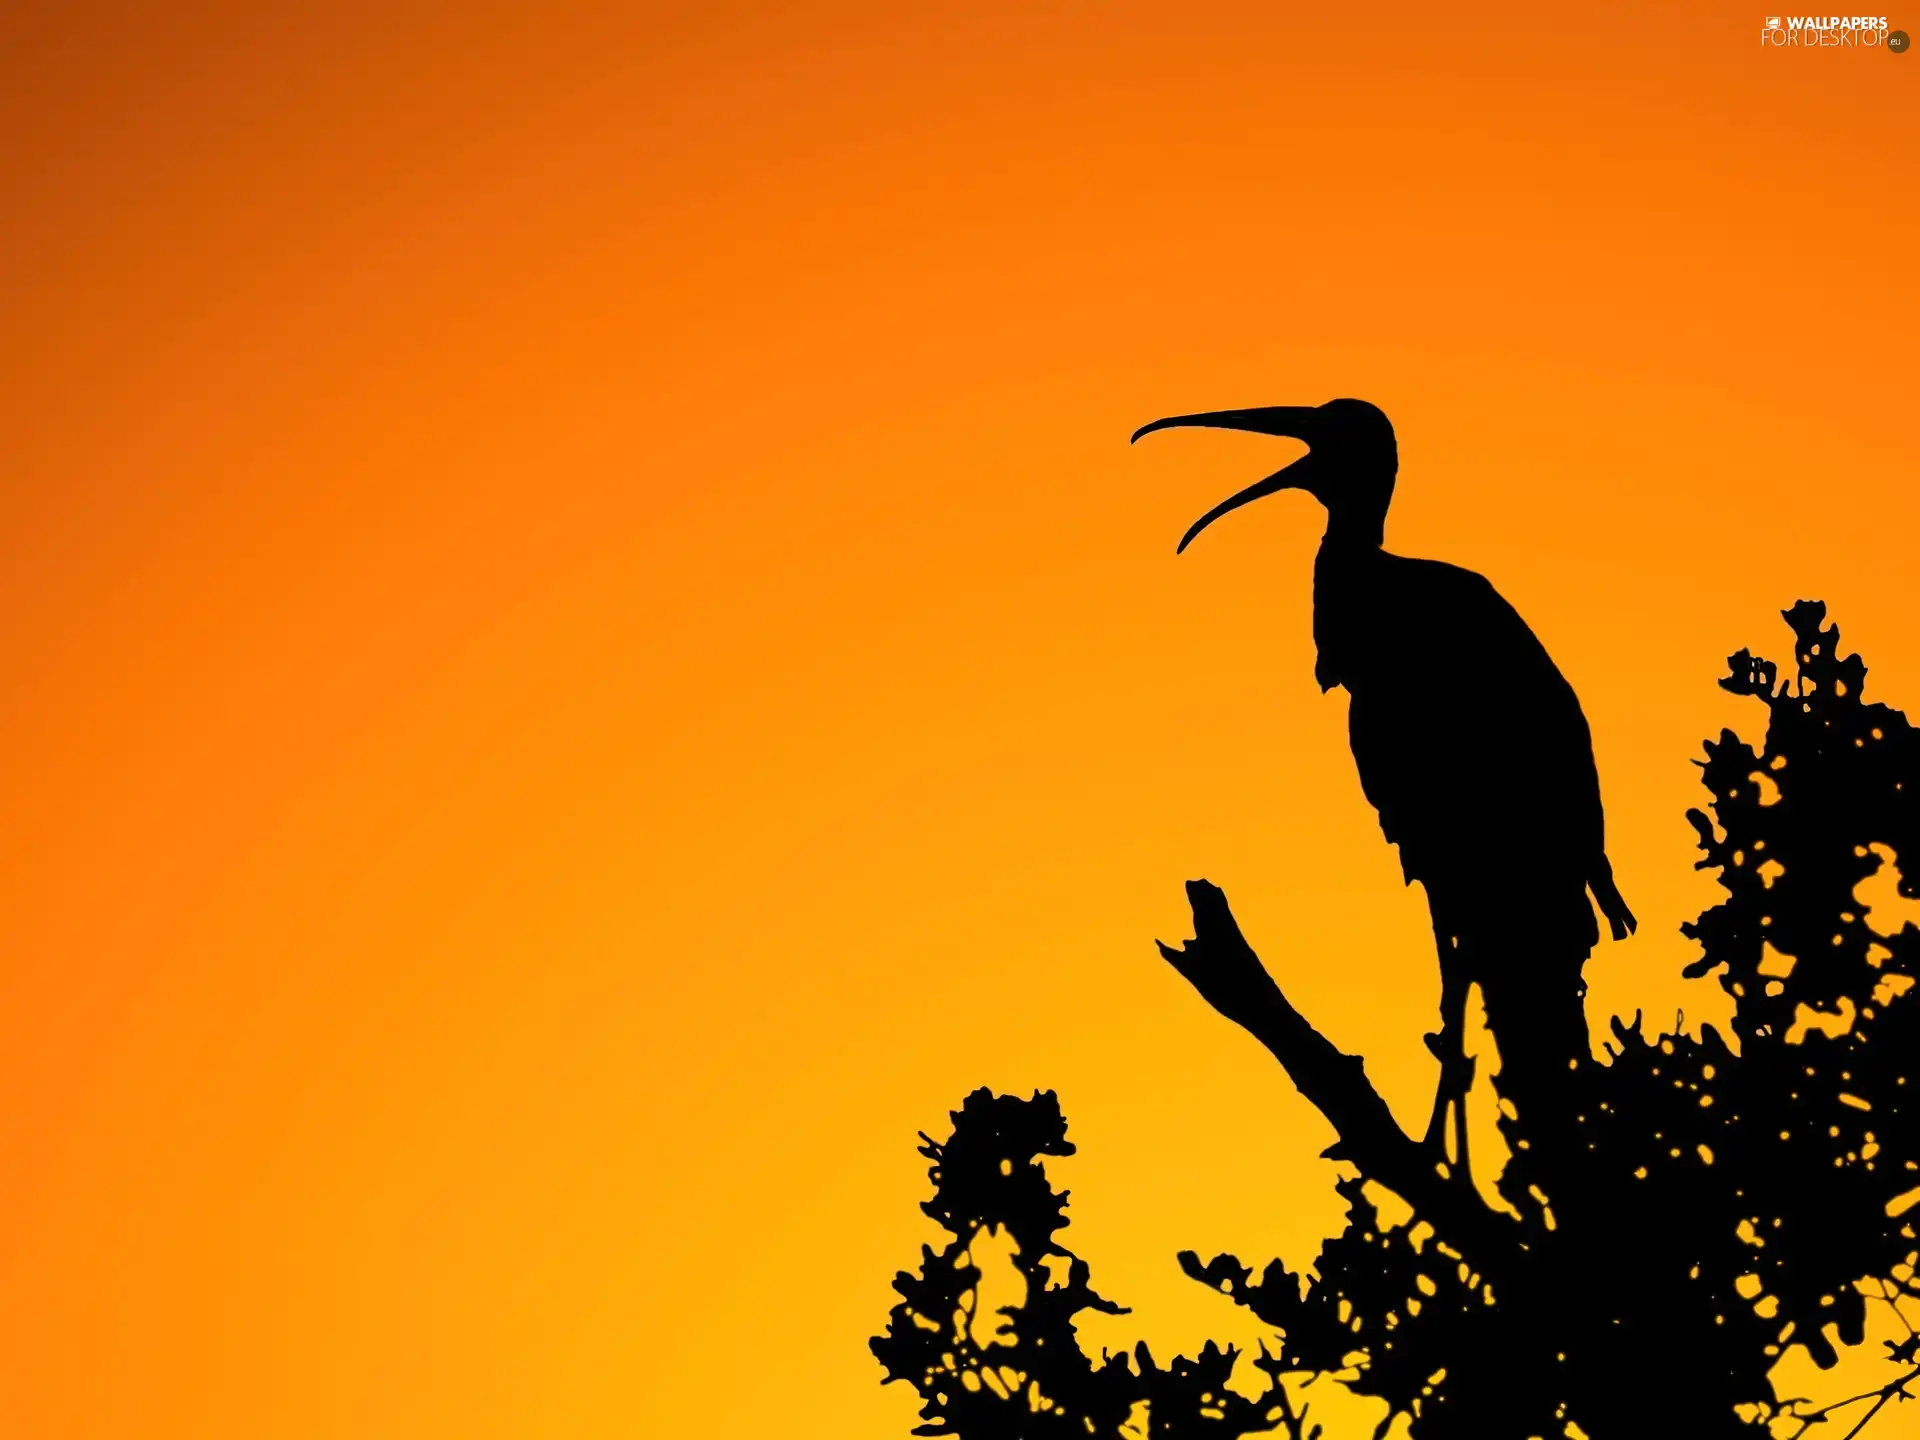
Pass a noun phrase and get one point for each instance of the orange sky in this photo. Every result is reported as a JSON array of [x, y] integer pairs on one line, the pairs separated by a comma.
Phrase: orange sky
[[585, 651]]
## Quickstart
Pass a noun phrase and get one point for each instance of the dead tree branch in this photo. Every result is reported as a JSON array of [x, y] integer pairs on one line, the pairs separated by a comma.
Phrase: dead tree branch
[[1220, 964]]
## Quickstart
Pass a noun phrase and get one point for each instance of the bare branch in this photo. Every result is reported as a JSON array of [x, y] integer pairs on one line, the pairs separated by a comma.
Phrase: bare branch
[[1220, 964]]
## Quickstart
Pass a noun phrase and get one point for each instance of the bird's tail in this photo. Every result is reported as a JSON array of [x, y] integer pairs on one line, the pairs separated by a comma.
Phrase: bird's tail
[[1619, 917]]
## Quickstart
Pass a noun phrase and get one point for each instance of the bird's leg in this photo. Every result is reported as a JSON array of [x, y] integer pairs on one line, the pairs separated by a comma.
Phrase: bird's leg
[[1456, 1067], [1449, 1048], [1436, 1138], [1463, 1087]]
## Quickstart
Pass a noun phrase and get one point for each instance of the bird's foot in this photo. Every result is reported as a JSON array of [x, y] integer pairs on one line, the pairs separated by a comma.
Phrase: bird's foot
[[1457, 1068]]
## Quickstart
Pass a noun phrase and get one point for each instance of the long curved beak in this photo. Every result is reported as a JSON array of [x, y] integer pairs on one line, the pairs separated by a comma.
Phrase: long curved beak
[[1287, 478], [1294, 422]]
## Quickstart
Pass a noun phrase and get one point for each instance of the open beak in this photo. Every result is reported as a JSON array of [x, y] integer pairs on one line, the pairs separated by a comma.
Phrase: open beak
[[1294, 422]]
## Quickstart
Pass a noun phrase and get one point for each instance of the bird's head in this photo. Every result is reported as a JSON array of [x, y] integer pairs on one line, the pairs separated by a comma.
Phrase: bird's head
[[1349, 466]]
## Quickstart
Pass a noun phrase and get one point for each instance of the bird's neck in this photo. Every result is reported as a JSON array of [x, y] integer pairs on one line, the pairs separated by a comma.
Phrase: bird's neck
[[1353, 532], [1341, 590]]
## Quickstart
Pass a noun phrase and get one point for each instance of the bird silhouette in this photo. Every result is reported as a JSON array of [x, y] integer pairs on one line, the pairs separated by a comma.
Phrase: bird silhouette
[[1469, 742]]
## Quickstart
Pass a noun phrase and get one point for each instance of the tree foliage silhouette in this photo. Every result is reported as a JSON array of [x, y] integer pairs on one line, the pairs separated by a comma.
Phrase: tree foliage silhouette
[[1678, 1216]]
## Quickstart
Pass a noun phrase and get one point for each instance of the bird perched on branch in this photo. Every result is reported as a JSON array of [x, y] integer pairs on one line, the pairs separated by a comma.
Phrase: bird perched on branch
[[1469, 742]]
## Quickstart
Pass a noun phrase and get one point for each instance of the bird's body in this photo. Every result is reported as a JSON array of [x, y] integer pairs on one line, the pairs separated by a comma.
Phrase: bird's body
[[1470, 744]]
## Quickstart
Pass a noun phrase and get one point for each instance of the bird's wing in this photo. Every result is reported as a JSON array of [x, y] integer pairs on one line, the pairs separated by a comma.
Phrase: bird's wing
[[1468, 739]]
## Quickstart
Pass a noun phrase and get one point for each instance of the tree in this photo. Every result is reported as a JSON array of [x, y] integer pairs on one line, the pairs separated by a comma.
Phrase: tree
[[1677, 1216]]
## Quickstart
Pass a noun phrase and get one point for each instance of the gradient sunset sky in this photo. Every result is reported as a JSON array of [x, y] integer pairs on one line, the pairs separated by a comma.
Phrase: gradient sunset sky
[[584, 652]]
